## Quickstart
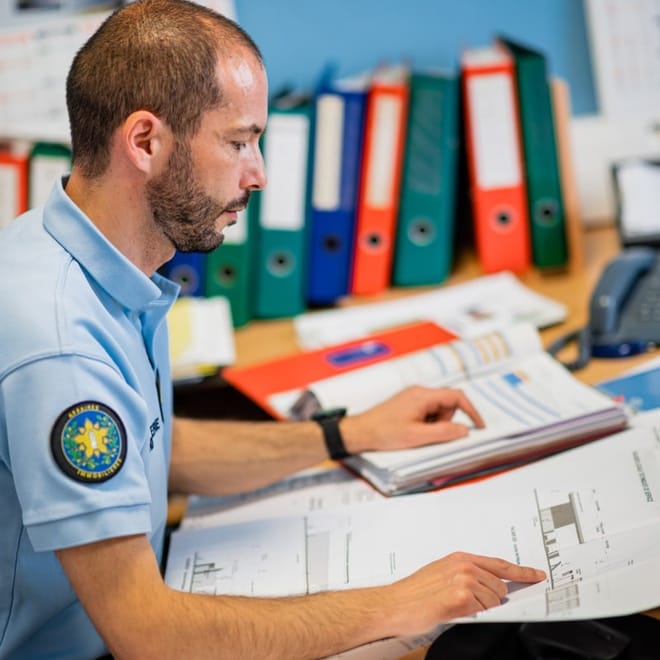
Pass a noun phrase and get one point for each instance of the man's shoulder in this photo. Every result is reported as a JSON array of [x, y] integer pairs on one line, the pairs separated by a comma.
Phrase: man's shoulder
[[44, 294]]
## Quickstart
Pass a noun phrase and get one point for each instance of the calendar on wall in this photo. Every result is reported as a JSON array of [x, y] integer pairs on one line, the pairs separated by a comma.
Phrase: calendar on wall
[[35, 56], [34, 61], [625, 48]]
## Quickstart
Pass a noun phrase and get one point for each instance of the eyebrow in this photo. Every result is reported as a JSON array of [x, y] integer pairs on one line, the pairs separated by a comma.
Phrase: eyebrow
[[252, 129]]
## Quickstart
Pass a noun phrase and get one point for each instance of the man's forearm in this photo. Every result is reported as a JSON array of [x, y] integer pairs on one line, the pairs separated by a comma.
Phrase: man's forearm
[[119, 584], [223, 457], [138, 616], [303, 627]]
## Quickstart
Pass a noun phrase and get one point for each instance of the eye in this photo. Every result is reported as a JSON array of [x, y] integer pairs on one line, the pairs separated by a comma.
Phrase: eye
[[239, 146]]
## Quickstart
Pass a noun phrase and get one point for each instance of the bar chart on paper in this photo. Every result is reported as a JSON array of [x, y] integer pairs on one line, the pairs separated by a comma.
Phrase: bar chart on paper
[[217, 560]]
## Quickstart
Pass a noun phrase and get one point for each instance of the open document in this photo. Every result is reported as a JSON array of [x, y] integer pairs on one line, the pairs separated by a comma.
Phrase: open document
[[531, 404], [590, 517], [529, 408]]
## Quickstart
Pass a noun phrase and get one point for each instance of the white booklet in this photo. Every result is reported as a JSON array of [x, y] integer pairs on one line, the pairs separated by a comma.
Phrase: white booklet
[[530, 409], [530, 403]]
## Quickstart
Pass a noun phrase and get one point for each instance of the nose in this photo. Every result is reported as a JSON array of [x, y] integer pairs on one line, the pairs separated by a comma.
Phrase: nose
[[254, 176]]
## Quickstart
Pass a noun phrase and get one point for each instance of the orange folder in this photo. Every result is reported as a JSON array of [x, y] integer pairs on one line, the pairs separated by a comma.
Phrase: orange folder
[[296, 372], [495, 160], [380, 180]]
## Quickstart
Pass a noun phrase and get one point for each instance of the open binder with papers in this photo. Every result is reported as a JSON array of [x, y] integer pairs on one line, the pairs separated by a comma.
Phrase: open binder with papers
[[530, 403]]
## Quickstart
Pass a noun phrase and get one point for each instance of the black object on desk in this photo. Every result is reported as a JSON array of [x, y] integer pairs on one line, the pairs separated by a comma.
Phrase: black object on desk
[[624, 309], [633, 637], [214, 398]]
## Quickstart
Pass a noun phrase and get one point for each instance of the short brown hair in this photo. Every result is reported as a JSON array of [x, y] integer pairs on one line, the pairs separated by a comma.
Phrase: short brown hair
[[156, 55]]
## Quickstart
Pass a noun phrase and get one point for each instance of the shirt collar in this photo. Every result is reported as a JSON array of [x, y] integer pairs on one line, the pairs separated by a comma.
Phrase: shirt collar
[[126, 283]]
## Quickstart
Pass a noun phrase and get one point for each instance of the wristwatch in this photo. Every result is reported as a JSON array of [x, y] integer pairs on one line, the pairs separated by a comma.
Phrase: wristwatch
[[328, 420]]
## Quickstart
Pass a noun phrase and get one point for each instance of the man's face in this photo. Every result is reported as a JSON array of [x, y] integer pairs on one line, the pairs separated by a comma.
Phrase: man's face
[[185, 213], [209, 178]]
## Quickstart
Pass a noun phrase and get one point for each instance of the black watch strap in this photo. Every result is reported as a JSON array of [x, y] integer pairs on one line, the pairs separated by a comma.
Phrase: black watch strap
[[328, 420]]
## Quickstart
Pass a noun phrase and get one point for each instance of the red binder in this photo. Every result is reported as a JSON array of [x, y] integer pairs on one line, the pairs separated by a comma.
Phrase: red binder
[[260, 382], [495, 161], [380, 180]]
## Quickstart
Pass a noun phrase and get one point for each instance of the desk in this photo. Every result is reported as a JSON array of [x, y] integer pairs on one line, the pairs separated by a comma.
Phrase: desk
[[260, 341], [264, 340]]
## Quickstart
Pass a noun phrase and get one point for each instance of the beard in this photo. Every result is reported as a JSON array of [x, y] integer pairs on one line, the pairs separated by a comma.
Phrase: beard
[[181, 208]]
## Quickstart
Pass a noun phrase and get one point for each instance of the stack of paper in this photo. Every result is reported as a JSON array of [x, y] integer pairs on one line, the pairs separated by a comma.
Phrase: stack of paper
[[468, 309], [530, 408]]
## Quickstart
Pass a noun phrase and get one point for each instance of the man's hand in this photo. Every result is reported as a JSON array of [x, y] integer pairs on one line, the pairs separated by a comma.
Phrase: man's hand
[[457, 585], [414, 417]]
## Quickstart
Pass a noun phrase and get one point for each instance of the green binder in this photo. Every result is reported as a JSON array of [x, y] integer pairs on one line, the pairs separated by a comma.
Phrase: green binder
[[283, 210], [424, 246], [542, 176], [229, 267]]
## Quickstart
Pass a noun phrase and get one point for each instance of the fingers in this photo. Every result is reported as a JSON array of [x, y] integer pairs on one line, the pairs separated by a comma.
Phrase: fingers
[[441, 432], [457, 585], [413, 417], [508, 571], [486, 578], [441, 404], [454, 399]]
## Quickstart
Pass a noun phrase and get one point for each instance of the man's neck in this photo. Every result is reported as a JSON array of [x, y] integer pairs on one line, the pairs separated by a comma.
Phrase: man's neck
[[122, 216]]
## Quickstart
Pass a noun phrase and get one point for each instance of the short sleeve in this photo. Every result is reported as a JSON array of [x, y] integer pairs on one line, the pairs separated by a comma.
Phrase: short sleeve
[[51, 432]]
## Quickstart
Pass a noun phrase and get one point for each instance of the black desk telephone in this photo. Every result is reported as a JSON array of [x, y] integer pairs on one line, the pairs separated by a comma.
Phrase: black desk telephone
[[624, 309]]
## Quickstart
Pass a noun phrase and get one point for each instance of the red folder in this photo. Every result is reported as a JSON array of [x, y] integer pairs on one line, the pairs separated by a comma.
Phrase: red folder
[[260, 382], [495, 161], [380, 180]]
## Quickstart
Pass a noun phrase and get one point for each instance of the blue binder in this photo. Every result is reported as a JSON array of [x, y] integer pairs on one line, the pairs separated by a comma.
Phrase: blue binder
[[339, 112], [187, 270]]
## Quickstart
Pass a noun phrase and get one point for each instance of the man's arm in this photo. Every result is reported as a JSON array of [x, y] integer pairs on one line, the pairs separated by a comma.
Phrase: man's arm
[[221, 457], [139, 616]]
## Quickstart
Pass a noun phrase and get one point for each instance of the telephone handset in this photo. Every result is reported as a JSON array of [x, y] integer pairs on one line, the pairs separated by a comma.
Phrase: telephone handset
[[623, 297], [624, 309]]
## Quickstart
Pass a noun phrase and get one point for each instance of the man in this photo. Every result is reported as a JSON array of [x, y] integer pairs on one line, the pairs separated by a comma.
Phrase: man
[[167, 102]]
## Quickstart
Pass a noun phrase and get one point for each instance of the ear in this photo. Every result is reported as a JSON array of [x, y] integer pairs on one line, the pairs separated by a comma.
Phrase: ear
[[147, 140]]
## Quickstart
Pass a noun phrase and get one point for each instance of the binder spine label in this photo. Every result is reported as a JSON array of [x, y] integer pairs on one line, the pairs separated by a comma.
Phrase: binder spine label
[[237, 234], [283, 200], [383, 149], [326, 186], [44, 170], [9, 203], [494, 131]]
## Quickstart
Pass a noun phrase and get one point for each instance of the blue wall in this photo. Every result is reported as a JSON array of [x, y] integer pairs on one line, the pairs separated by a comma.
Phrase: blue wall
[[297, 37]]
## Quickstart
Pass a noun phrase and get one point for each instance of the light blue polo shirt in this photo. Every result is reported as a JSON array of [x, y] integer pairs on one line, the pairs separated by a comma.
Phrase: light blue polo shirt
[[85, 417]]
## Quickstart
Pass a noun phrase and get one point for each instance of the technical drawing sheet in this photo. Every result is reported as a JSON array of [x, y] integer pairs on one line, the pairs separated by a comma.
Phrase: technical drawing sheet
[[590, 517]]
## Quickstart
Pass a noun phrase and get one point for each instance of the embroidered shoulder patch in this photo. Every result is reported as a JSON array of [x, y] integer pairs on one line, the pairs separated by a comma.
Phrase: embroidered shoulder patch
[[88, 442]]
